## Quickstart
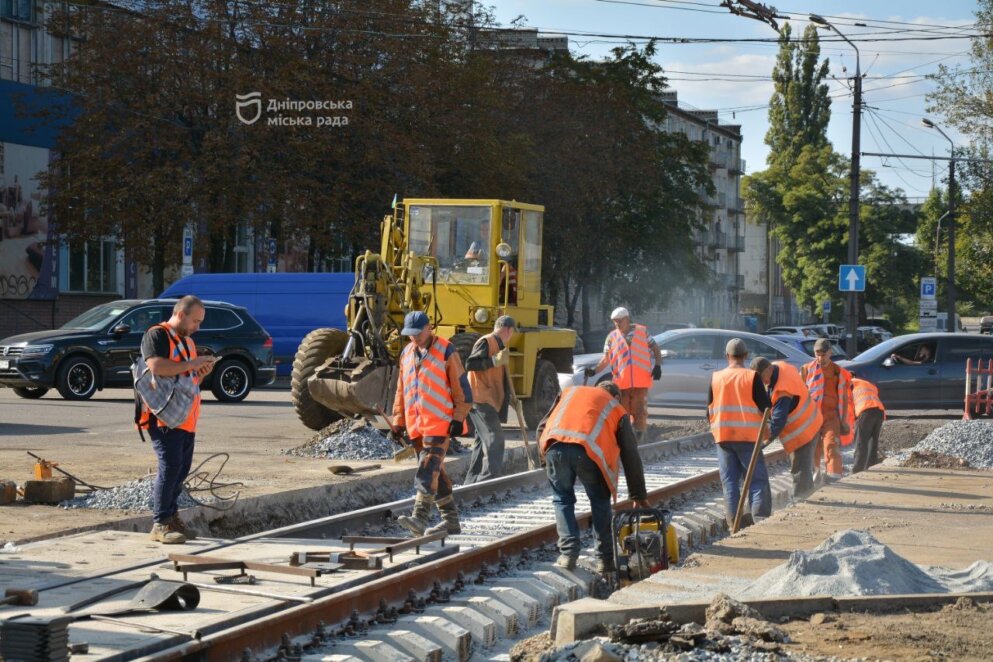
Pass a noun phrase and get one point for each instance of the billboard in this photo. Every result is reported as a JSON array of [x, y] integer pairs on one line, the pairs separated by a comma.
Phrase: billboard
[[28, 268]]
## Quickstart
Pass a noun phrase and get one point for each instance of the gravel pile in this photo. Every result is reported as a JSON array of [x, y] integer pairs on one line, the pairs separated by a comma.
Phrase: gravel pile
[[855, 563], [971, 441], [136, 495], [347, 440]]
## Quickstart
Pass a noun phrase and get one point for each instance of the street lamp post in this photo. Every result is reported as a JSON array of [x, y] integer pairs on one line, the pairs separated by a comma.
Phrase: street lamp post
[[950, 285], [854, 183]]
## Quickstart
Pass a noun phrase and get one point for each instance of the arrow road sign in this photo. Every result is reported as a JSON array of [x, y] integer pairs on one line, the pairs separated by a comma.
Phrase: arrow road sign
[[851, 278]]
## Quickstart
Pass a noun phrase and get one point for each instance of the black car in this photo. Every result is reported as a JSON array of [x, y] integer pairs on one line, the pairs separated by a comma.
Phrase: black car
[[95, 351]]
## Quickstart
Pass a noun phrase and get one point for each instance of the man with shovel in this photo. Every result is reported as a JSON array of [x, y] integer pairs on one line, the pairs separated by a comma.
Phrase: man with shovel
[[491, 393]]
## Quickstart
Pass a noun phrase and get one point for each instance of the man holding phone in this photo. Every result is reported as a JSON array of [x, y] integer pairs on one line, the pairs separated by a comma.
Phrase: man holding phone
[[168, 351]]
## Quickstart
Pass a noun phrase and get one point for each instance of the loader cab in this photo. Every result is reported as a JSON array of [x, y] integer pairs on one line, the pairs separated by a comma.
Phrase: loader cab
[[488, 257]]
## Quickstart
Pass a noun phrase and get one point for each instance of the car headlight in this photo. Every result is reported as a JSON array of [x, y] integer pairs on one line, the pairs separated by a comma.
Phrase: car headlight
[[36, 350]]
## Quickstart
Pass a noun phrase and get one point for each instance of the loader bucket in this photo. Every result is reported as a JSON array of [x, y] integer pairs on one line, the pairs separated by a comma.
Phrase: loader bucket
[[355, 387]]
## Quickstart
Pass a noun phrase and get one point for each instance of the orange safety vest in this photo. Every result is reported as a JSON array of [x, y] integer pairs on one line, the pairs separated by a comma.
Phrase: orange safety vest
[[805, 421], [177, 352], [588, 416], [866, 396], [631, 364], [733, 414], [487, 385], [814, 378], [428, 408]]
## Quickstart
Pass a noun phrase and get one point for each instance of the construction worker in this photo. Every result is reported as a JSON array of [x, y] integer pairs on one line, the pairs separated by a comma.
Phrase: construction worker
[[169, 351], [629, 350], [735, 405], [489, 381], [583, 437], [869, 417], [796, 420], [432, 400], [830, 387]]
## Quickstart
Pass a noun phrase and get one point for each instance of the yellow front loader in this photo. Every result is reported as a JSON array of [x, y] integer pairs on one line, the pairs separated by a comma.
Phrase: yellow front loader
[[463, 262]]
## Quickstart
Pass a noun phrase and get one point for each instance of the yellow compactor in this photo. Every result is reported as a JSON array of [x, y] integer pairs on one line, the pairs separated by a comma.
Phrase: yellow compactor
[[464, 263]]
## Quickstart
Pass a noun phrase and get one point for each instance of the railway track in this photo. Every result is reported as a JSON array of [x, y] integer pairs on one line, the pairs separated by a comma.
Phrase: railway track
[[450, 598]]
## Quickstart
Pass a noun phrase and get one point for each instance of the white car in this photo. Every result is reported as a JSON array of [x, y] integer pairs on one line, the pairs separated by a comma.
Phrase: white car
[[689, 359], [805, 331]]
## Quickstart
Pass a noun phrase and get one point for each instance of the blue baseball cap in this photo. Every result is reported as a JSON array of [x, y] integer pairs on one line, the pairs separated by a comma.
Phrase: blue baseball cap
[[414, 323]]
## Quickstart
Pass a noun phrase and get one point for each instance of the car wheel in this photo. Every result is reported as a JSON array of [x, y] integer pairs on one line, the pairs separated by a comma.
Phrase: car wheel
[[231, 381], [77, 378], [543, 394], [30, 392]]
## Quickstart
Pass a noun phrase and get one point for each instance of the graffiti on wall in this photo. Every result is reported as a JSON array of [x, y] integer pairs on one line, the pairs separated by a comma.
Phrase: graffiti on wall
[[28, 268]]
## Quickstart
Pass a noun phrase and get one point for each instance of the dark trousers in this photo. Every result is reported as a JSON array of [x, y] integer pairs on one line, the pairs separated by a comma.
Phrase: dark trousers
[[732, 460], [802, 469], [486, 460], [564, 464], [867, 429], [431, 477], [174, 449]]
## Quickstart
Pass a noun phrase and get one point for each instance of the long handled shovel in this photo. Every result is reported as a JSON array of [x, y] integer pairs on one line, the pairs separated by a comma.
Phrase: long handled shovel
[[756, 452], [520, 420]]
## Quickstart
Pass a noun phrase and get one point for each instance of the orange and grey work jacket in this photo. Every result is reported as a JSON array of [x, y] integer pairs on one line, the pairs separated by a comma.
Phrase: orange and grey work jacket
[[432, 390]]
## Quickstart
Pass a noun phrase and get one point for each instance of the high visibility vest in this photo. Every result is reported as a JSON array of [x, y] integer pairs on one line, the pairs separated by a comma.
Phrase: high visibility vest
[[631, 364], [428, 408], [733, 414], [814, 377], [805, 421], [588, 416], [865, 395], [177, 352], [487, 385]]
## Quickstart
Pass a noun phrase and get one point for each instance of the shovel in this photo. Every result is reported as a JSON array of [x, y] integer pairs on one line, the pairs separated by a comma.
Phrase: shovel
[[345, 470], [756, 452], [156, 594], [408, 450], [520, 420]]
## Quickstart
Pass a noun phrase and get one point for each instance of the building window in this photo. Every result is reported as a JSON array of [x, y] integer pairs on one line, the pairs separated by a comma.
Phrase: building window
[[18, 10], [91, 267]]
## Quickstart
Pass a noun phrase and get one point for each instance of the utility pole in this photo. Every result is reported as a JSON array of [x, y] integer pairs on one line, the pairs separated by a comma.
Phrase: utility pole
[[950, 284], [854, 185]]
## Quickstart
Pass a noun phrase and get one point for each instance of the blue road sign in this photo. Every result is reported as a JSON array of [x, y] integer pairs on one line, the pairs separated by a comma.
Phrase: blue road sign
[[187, 246], [826, 306], [272, 251], [928, 288], [851, 278]]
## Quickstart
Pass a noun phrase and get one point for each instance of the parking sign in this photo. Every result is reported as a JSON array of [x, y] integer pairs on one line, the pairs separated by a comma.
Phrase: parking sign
[[929, 286]]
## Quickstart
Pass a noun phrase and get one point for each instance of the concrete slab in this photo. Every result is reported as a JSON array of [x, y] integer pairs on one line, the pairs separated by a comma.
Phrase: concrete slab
[[456, 641], [483, 629], [412, 643], [503, 615], [528, 609], [582, 618], [572, 586], [371, 649]]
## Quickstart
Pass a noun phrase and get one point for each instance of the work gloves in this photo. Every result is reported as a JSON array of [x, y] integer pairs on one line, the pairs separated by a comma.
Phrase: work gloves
[[397, 435], [455, 428], [589, 372], [657, 372], [501, 358]]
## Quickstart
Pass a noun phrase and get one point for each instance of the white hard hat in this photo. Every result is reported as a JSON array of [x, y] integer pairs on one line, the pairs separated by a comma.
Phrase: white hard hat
[[620, 313]]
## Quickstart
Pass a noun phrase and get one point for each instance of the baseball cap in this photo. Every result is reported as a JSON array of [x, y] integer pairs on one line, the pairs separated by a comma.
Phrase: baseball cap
[[620, 313], [505, 322], [760, 364], [822, 345], [736, 348], [414, 323]]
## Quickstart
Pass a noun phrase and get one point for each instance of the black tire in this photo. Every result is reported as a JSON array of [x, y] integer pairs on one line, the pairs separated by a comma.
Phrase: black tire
[[30, 392], [231, 380], [543, 393], [464, 342], [317, 347], [77, 378]]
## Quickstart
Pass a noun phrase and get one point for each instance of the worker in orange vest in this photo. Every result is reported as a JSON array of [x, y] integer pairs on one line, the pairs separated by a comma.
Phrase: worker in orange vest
[[629, 351], [585, 435], [796, 420], [489, 379], [869, 417], [830, 386], [432, 400], [735, 404]]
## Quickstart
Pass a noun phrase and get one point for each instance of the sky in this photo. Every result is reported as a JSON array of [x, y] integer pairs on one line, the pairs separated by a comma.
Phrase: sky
[[735, 78]]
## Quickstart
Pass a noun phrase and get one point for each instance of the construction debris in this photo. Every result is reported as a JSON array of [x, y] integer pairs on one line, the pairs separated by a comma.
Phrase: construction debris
[[347, 440], [969, 441], [135, 495], [855, 563]]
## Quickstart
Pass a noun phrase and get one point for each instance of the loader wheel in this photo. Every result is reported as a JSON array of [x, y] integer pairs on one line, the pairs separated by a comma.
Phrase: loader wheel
[[317, 347], [464, 343], [546, 389]]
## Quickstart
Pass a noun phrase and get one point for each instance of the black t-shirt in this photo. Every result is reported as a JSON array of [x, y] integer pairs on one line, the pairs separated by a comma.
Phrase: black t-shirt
[[156, 343]]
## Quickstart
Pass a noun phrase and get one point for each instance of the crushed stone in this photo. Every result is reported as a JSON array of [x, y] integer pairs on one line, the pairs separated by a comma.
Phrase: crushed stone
[[346, 439], [970, 441], [929, 460], [855, 563], [135, 495]]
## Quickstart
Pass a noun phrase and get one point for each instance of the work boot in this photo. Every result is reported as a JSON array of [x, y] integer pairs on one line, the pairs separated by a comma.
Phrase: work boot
[[449, 517], [566, 561], [417, 521], [603, 566], [165, 534], [177, 524]]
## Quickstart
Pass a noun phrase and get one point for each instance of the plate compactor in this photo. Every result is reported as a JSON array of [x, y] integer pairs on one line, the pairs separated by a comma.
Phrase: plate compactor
[[644, 543]]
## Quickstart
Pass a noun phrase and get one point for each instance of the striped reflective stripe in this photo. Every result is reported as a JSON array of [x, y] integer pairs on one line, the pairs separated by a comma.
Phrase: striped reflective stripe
[[803, 418], [591, 439]]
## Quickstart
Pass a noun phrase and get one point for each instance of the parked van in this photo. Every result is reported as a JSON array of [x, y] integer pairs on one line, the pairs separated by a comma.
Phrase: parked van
[[288, 306]]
